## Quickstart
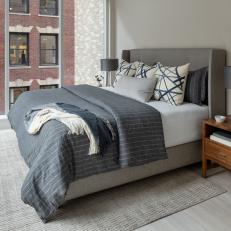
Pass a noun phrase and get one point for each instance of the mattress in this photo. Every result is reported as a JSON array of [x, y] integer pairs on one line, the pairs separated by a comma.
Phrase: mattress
[[181, 124]]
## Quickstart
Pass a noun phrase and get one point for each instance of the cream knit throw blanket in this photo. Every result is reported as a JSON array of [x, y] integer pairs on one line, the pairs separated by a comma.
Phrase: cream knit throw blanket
[[75, 123]]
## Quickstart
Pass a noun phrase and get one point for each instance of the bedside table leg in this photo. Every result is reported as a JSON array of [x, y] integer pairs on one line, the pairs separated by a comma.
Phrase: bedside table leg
[[204, 167]]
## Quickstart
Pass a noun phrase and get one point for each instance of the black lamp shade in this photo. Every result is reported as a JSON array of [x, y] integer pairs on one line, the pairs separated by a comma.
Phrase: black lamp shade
[[109, 64], [227, 75]]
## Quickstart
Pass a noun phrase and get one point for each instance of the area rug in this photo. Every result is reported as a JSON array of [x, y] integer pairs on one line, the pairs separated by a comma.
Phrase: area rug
[[126, 207]]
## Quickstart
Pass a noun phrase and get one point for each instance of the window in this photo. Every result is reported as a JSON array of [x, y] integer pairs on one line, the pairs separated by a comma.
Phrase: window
[[19, 6], [19, 49], [48, 49], [90, 42], [49, 7], [49, 86], [15, 92]]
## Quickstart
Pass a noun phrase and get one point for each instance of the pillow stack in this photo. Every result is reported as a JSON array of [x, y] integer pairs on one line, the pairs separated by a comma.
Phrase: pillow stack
[[173, 85]]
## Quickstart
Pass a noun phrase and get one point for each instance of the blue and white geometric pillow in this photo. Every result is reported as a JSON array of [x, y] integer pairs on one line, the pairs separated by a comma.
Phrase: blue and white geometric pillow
[[171, 83], [126, 69], [145, 71]]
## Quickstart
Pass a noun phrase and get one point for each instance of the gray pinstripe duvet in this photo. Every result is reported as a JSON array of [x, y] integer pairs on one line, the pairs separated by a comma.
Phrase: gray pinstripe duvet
[[56, 158]]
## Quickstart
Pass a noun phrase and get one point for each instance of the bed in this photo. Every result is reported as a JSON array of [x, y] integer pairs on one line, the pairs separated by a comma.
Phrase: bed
[[181, 154], [99, 173]]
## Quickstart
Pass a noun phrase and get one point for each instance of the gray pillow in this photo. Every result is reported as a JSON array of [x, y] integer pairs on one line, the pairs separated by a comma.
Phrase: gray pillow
[[196, 86], [138, 89]]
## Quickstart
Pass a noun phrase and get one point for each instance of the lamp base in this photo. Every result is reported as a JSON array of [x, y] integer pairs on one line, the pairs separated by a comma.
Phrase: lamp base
[[108, 79]]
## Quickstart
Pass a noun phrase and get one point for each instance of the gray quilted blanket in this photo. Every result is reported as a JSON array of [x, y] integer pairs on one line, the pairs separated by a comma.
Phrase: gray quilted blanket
[[56, 158]]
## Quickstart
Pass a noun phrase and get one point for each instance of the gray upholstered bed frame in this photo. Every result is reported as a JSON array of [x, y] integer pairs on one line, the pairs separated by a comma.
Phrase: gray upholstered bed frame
[[214, 59], [180, 155]]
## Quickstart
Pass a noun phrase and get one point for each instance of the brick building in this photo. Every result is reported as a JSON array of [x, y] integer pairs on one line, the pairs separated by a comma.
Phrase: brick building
[[33, 46]]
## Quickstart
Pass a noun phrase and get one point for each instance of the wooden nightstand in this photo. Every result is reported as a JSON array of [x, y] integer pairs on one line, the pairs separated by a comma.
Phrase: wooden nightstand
[[212, 150]]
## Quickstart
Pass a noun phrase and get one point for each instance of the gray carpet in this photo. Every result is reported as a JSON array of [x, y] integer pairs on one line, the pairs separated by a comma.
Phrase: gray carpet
[[124, 208]]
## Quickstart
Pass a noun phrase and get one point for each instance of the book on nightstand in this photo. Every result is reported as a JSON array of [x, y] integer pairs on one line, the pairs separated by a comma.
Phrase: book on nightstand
[[221, 137]]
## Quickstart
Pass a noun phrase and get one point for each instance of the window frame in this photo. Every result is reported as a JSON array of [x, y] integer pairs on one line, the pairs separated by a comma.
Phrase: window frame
[[56, 9], [12, 88], [57, 49], [53, 86], [28, 49], [25, 12], [60, 44]]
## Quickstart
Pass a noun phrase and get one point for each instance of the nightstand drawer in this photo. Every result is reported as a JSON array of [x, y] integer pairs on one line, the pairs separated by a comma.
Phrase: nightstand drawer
[[212, 150], [217, 152]]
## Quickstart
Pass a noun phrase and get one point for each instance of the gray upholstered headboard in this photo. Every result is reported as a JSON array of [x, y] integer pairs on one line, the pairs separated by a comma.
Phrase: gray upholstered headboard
[[215, 59]]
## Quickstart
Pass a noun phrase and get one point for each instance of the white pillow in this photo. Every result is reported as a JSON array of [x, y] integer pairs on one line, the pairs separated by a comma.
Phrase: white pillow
[[140, 89], [145, 71], [126, 69], [171, 83]]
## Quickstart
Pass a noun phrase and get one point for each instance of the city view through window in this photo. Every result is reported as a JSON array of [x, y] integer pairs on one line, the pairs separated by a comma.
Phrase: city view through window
[[36, 44]]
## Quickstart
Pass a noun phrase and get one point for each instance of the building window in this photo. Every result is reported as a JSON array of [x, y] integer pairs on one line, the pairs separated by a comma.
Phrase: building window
[[15, 92], [48, 49], [19, 6], [19, 52], [53, 86], [49, 7]]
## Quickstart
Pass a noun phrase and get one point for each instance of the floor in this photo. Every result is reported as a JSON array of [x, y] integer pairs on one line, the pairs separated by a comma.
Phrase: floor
[[211, 215]]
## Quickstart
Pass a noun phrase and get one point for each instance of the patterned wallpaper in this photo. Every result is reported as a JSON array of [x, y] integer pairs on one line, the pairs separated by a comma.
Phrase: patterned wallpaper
[[89, 39]]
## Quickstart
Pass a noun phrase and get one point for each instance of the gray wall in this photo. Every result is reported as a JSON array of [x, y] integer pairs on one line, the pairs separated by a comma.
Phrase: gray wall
[[172, 23]]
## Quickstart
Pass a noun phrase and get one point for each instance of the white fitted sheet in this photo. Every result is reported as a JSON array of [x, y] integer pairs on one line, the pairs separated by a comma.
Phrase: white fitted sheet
[[181, 124]]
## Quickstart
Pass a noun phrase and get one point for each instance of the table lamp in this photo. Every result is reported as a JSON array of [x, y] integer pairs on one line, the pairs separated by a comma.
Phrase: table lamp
[[108, 65]]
